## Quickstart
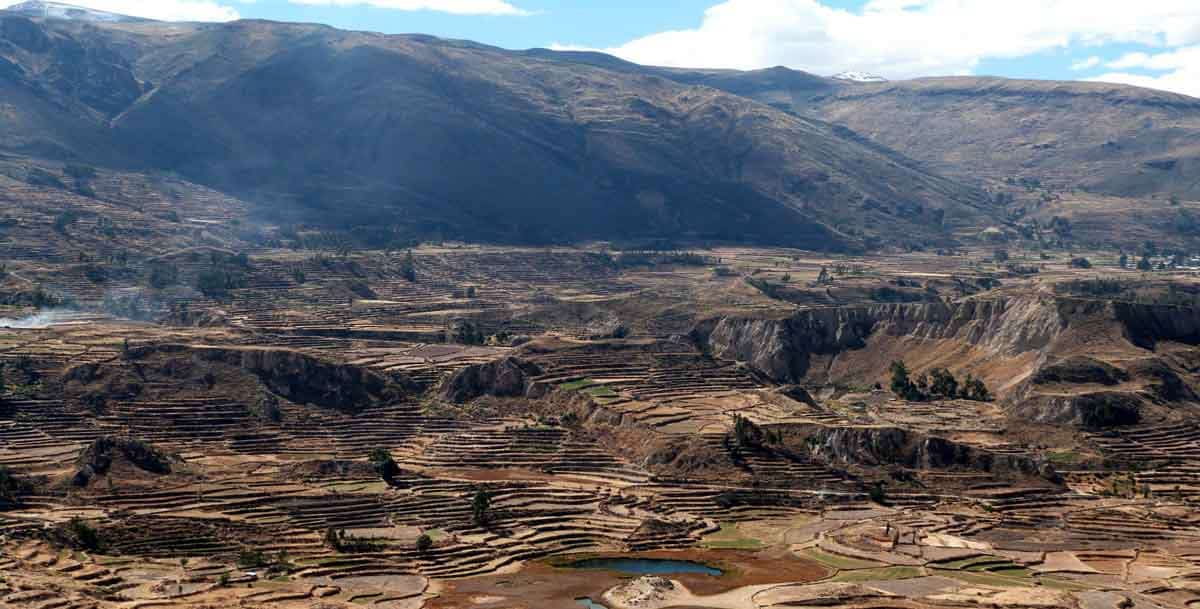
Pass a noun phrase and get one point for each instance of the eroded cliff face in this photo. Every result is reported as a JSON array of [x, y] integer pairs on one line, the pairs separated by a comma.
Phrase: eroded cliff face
[[507, 377], [1146, 324], [783, 349], [1075, 362], [244, 373], [895, 446]]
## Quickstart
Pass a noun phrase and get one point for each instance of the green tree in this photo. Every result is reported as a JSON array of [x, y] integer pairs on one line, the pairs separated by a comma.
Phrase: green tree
[[481, 506], [408, 267], [902, 384], [878, 494], [467, 332], [1123, 261], [943, 384], [384, 464], [333, 540], [746, 432], [84, 534], [65, 219], [424, 544]]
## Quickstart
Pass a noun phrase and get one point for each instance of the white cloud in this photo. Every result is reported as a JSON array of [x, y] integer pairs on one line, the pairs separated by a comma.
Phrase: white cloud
[[1086, 64], [456, 7], [909, 38], [1178, 70], [165, 10]]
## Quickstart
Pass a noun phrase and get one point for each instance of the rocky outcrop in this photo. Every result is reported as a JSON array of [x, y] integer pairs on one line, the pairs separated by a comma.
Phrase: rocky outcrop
[[292, 375], [1164, 383], [1146, 324], [1096, 410], [304, 379], [646, 591], [894, 446], [507, 377], [99, 457], [782, 349], [1080, 369]]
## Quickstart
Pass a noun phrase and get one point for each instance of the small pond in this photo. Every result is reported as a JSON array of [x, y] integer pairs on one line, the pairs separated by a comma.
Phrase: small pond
[[645, 566], [589, 603]]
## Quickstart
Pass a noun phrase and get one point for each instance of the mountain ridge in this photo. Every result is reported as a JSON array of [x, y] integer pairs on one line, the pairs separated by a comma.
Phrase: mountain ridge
[[59, 10], [457, 138]]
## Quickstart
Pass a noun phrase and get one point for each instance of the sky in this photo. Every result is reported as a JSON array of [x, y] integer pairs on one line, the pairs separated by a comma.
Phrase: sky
[[1152, 43]]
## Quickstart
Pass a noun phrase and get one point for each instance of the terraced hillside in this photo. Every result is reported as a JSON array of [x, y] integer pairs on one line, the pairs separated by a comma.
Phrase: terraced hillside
[[462, 422]]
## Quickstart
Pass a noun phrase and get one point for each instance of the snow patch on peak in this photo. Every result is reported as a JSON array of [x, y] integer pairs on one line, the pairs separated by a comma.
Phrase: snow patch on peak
[[858, 77], [56, 10]]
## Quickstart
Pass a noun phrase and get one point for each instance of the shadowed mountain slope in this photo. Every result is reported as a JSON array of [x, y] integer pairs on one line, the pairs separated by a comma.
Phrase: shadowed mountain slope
[[456, 138]]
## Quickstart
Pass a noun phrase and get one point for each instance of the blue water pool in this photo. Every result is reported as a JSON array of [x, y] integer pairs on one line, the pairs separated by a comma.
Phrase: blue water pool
[[645, 566]]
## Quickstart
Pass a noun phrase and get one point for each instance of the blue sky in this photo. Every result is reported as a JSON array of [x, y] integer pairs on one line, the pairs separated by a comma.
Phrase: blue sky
[[1152, 43]]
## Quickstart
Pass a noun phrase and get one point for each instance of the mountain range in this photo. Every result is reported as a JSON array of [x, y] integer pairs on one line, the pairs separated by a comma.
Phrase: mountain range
[[435, 136]]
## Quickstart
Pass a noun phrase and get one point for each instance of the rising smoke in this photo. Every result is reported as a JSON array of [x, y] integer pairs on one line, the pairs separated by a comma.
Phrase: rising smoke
[[41, 319]]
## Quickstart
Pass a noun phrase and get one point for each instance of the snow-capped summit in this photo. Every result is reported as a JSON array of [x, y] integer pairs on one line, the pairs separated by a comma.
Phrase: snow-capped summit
[[858, 77], [56, 10]]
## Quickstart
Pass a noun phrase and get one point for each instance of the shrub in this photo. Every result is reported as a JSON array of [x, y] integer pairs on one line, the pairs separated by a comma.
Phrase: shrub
[[408, 267], [1081, 263], [95, 273], [878, 494], [12, 488], [424, 543], [84, 535], [481, 506], [252, 559], [65, 219]]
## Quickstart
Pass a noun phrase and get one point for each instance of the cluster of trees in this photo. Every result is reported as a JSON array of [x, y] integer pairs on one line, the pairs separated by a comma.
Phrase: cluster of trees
[[341, 541], [384, 464], [654, 258], [938, 384], [1146, 252]]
